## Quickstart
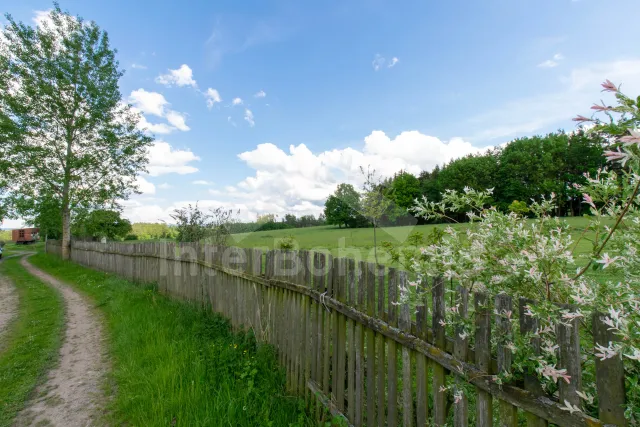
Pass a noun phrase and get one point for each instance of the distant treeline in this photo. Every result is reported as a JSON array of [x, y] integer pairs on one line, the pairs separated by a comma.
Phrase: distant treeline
[[270, 222], [520, 171]]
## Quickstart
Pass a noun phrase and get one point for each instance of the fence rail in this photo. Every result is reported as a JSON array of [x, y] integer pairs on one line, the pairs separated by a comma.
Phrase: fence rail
[[345, 340]]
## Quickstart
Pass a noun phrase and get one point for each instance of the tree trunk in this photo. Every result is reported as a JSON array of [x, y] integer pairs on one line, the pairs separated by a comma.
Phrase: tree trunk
[[66, 233]]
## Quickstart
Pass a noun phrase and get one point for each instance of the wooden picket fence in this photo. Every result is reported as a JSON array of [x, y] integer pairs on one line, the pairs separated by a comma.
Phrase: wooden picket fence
[[346, 342]]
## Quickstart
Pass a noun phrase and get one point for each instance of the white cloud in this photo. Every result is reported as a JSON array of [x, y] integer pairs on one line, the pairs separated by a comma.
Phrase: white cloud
[[579, 90], [164, 159], [155, 104], [144, 124], [149, 102], [260, 94], [379, 61], [201, 182], [183, 76], [248, 116], [12, 223], [298, 181], [41, 17], [177, 120], [138, 66], [552, 63], [144, 186], [212, 97], [165, 186], [236, 101], [548, 64]]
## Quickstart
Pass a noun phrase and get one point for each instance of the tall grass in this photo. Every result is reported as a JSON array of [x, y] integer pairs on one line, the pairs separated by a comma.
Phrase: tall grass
[[174, 364], [32, 342]]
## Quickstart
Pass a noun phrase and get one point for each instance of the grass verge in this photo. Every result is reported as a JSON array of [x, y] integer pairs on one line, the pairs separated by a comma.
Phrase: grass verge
[[174, 364], [32, 342]]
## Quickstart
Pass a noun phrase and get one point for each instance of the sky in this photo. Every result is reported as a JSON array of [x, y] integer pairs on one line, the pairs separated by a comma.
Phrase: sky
[[266, 106]]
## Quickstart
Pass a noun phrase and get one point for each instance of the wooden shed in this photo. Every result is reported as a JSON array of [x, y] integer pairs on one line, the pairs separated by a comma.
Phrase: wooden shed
[[25, 235]]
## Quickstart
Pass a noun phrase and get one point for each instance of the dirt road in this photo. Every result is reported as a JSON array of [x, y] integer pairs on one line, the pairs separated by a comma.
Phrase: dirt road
[[8, 305], [72, 395]]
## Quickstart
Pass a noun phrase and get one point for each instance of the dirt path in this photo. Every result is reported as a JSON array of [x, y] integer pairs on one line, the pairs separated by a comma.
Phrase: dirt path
[[8, 305], [72, 394]]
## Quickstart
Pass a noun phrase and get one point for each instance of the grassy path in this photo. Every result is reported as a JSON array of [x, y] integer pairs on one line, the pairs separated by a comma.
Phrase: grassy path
[[31, 341], [72, 393], [174, 364]]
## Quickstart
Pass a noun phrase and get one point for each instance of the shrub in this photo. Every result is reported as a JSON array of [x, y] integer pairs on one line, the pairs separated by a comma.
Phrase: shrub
[[130, 237], [287, 243]]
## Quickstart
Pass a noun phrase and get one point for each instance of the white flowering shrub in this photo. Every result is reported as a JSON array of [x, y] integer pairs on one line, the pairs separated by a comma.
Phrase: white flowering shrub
[[536, 258]]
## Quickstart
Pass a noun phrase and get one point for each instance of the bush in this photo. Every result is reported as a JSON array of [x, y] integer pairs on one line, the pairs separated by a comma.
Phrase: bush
[[287, 243], [518, 207], [2, 243], [130, 237]]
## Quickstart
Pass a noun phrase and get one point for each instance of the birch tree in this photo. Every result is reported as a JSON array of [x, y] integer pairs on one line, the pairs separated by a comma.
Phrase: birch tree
[[64, 129]]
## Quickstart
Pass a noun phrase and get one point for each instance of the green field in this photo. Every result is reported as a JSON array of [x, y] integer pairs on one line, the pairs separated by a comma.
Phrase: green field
[[358, 242]]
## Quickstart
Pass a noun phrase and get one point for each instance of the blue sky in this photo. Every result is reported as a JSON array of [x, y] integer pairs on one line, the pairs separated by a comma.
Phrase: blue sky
[[395, 85]]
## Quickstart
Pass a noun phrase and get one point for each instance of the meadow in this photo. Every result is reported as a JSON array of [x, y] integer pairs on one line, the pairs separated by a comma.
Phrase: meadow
[[358, 242]]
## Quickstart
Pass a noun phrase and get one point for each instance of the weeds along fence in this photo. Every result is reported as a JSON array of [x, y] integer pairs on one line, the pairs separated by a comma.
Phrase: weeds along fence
[[345, 342]]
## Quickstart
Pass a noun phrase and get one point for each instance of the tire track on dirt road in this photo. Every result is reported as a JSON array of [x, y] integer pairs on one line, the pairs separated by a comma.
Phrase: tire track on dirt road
[[8, 305], [72, 394]]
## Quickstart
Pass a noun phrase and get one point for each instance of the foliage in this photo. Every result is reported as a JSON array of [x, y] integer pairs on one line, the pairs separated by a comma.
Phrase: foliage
[[43, 212], [375, 202], [503, 252], [262, 219], [31, 344], [174, 363], [343, 207], [152, 231], [405, 189], [64, 127], [195, 225], [287, 243], [518, 207], [102, 223], [130, 237], [5, 234], [2, 243]]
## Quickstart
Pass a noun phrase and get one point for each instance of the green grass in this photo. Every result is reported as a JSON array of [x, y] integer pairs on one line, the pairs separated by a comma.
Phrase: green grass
[[174, 364], [358, 242], [32, 342]]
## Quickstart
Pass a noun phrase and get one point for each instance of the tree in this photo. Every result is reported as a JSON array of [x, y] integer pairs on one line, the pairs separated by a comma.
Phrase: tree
[[44, 212], [64, 128], [375, 203], [195, 225], [342, 207], [263, 219], [102, 223], [406, 189]]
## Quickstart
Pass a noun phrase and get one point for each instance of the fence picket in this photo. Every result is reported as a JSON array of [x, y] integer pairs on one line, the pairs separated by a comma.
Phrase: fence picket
[[371, 346], [609, 376], [484, 406], [568, 336], [422, 379], [504, 307], [529, 324], [392, 352], [407, 383], [351, 347], [361, 275], [439, 340], [460, 351]]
